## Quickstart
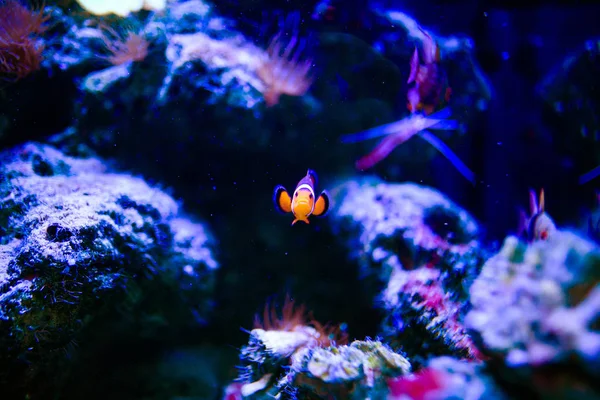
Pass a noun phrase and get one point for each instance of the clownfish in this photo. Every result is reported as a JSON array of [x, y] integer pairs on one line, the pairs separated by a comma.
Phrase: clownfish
[[304, 203]]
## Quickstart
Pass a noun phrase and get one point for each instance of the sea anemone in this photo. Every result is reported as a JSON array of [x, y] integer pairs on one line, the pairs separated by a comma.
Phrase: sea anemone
[[296, 318], [20, 51], [283, 72], [123, 46]]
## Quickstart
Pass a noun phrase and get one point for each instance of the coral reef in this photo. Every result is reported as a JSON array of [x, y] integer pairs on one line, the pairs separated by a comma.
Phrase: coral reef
[[535, 311], [424, 249], [81, 250], [291, 357], [355, 371]]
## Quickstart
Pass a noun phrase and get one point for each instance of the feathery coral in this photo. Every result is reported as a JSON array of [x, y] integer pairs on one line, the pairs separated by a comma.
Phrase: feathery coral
[[283, 72], [20, 52]]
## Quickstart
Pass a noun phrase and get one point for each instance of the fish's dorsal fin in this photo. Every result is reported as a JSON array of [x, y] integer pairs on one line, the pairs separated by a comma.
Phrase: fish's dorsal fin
[[414, 66], [431, 51], [312, 175], [533, 203]]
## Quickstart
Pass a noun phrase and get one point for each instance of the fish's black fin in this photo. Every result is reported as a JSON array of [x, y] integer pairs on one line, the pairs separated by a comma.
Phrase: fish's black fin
[[321, 205], [282, 199], [313, 177]]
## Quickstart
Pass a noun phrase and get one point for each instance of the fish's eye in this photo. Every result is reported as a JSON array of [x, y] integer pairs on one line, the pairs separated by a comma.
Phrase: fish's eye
[[296, 194], [310, 196]]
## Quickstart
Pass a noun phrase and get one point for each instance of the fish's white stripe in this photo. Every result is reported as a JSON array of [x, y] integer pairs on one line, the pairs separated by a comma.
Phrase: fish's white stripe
[[307, 186]]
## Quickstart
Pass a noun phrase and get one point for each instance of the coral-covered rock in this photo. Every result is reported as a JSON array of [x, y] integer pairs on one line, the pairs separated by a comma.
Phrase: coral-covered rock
[[291, 357], [535, 311], [81, 248], [424, 249], [355, 371]]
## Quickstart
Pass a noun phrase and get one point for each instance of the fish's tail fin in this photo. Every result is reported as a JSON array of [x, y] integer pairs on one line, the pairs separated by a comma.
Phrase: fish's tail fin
[[303, 220]]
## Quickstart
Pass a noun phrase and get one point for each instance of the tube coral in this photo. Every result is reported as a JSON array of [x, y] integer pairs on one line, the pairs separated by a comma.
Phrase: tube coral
[[20, 51]]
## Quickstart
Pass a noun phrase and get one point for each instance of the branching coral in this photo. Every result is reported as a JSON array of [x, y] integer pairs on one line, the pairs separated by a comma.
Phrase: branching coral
[[283, 72], [20, 51]]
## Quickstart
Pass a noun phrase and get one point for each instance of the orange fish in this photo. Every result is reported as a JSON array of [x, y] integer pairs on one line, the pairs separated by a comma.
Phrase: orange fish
[[304, 203]]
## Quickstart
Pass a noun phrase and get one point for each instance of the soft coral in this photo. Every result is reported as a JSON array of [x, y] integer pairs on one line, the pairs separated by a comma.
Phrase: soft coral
[[20, 52]]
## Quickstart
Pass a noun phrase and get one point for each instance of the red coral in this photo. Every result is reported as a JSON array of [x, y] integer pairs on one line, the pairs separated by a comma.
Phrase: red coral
[[20, 51]]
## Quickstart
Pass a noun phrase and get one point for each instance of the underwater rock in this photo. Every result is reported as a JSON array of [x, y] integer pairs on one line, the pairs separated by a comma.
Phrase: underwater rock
[[194, 58], [355, 371], [535, 313], [81, 248], [424, 249]]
